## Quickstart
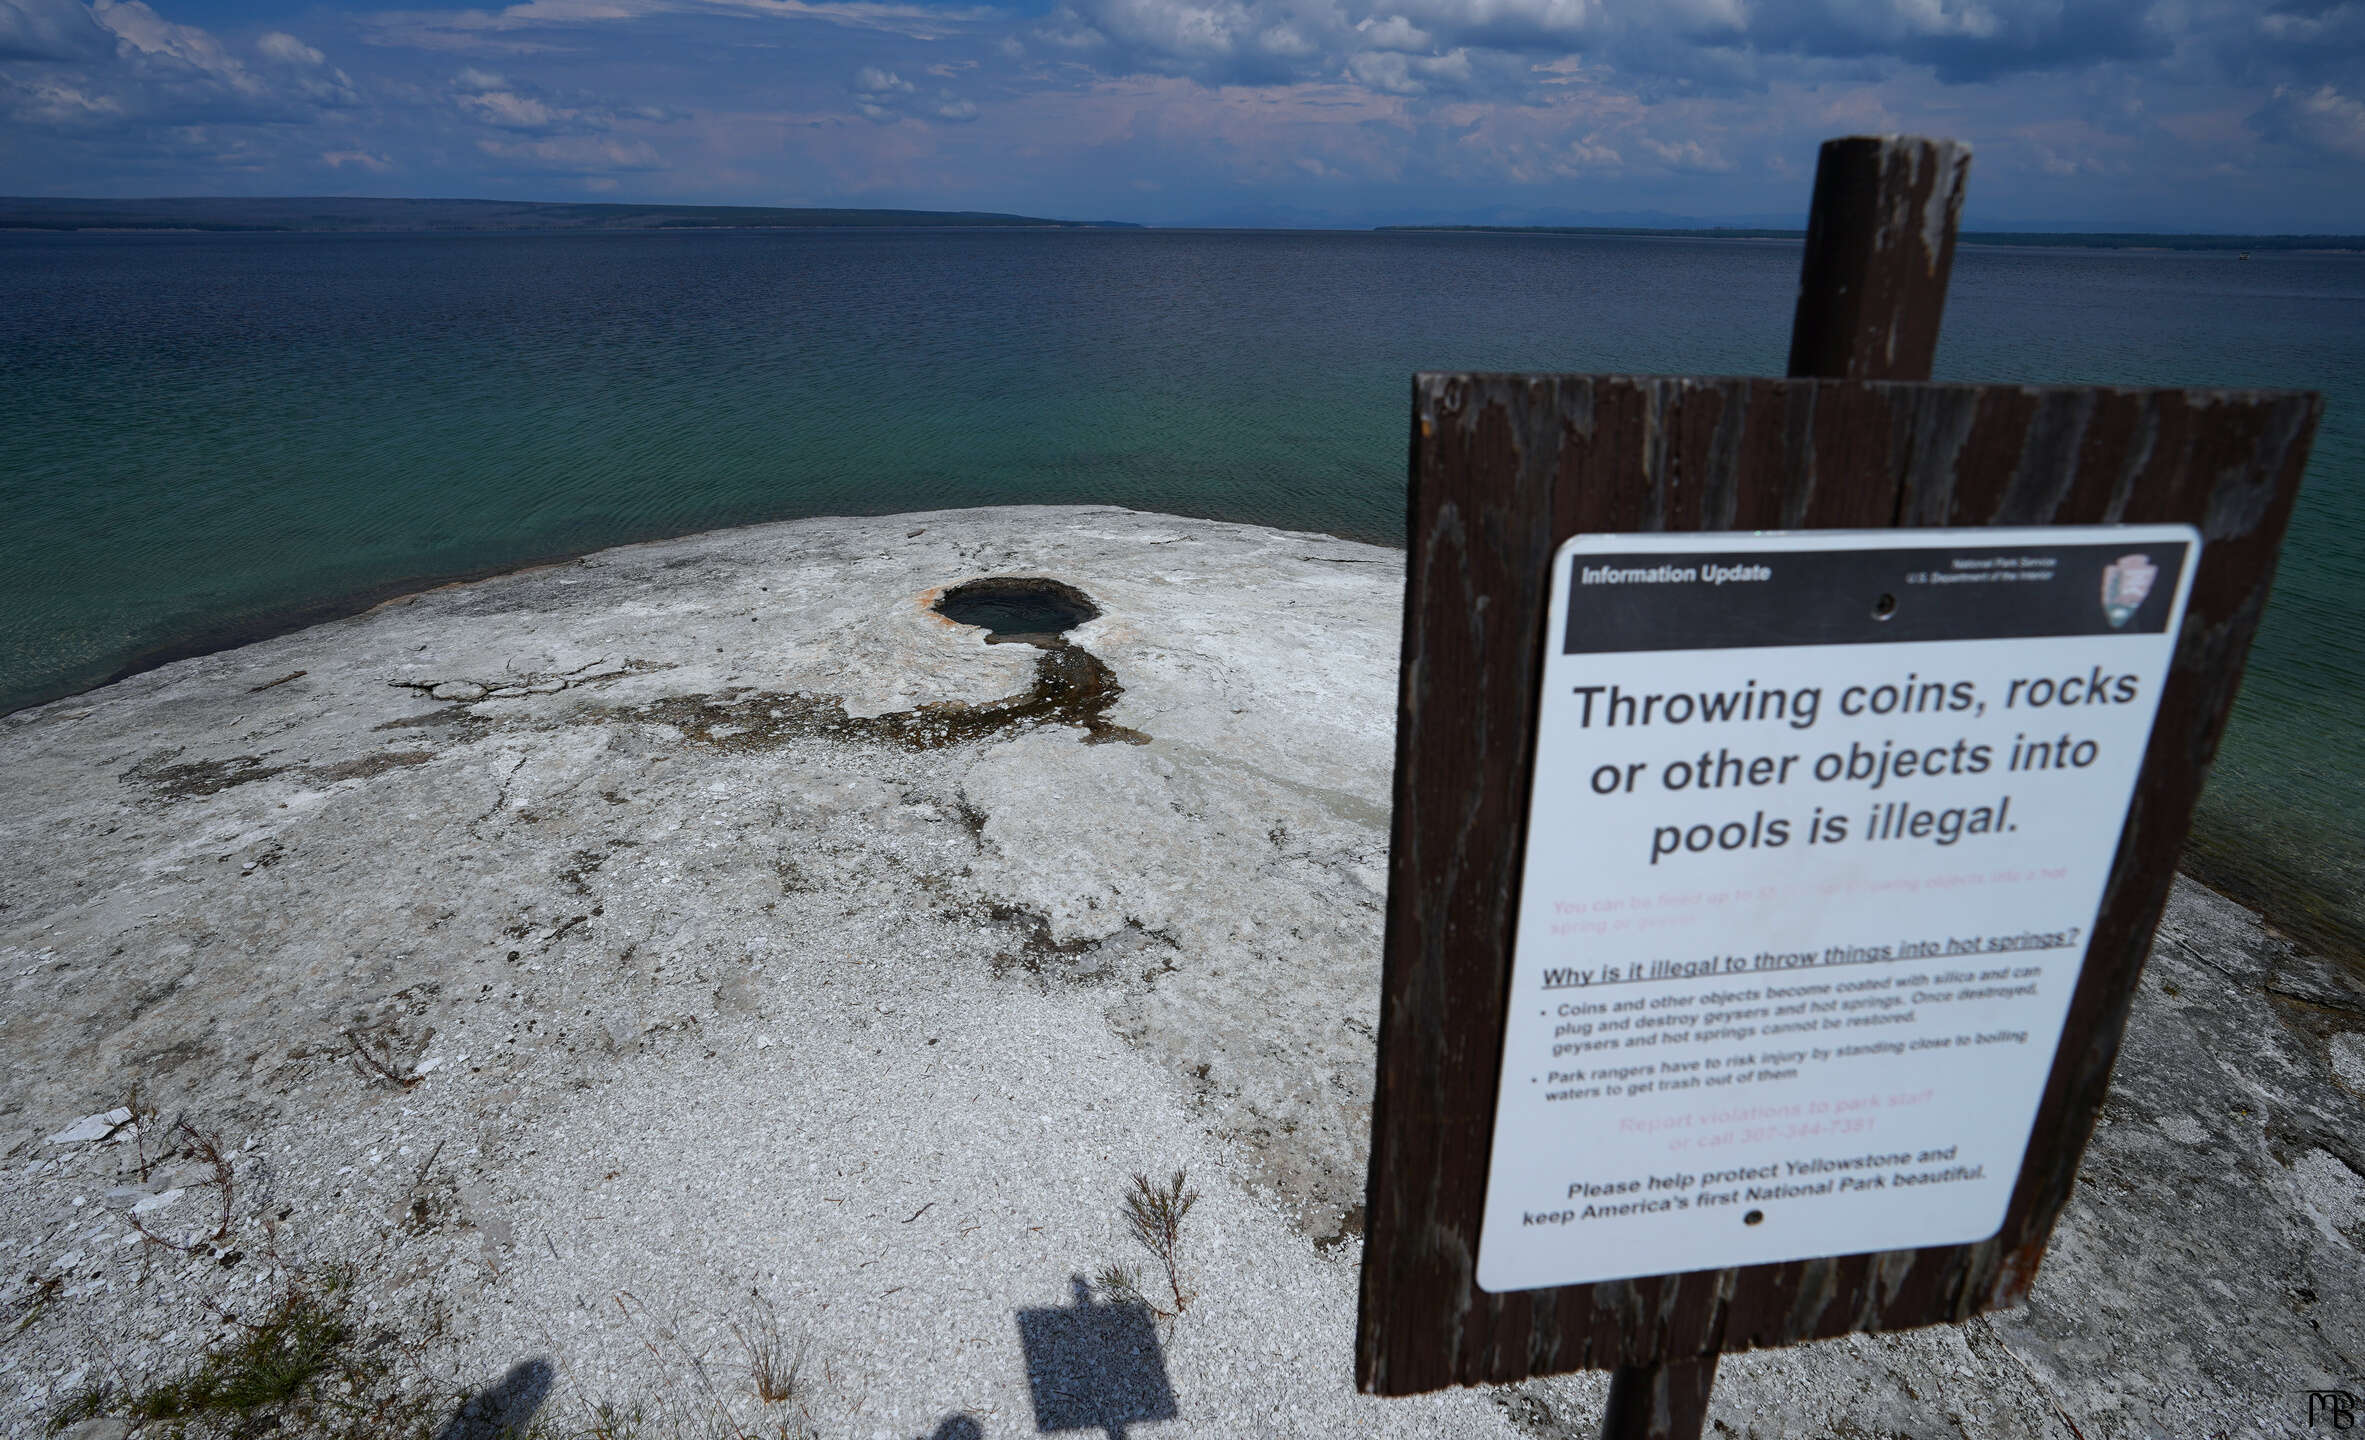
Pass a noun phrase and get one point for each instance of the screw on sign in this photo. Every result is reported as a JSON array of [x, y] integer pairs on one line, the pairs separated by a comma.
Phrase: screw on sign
[[1672, 1060]]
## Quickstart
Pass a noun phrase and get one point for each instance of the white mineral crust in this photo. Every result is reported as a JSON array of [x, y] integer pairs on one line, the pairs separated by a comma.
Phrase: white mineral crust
[[615, 959]]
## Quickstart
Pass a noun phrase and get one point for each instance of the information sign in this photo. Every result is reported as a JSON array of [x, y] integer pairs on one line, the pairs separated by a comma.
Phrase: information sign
[[1819, 829]]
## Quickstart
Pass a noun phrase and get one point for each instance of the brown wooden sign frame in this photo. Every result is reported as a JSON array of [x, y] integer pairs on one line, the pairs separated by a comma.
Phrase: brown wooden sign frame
[[1506, 467]]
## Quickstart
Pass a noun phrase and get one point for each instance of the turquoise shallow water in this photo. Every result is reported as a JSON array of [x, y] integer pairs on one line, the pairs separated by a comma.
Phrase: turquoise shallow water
[[204, 438]]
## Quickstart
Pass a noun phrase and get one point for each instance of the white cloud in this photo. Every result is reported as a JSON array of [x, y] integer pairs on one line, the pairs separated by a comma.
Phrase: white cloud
[[573, 154], [51, 104], [2323, 117], [1393, 33], [491, 30], [1684, 155], [151, 33], [1725, 43], [52, 30], [487, 97], [1567, 20], [1397, 73], [288, 48], [155, 73], [884, 96], [513, 111], [1586, 154]]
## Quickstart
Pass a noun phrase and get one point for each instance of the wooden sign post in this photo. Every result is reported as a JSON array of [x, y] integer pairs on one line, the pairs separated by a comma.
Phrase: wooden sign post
[[1507, 467]]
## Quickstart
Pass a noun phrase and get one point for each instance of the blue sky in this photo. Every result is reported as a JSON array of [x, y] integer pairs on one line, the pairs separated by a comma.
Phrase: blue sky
[[2243, 115]]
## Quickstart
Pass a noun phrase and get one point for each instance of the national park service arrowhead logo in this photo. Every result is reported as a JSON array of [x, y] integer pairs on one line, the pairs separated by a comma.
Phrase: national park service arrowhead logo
[[2125, 581]]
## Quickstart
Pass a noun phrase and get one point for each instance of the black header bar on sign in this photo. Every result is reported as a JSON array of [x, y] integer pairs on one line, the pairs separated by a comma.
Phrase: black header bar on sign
[[1739, 599]]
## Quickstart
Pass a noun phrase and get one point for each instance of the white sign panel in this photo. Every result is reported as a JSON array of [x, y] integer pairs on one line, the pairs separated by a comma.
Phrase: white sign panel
[[1820, 829]]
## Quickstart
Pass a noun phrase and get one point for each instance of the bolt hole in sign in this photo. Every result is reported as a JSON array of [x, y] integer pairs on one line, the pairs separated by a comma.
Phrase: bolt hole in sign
[[1820, 828]]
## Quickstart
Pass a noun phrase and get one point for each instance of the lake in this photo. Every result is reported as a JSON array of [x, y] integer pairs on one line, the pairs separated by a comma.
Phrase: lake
[[204, 438]]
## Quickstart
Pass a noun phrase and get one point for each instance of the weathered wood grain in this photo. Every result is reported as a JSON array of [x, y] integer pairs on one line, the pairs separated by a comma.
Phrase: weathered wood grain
[[1505, 467], [1880, 243]]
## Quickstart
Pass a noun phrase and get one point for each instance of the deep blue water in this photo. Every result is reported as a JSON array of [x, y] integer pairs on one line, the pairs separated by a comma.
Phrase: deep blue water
[[203, 437]]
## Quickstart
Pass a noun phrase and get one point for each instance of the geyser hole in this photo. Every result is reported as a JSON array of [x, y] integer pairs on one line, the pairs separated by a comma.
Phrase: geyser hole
[[1018, 609]]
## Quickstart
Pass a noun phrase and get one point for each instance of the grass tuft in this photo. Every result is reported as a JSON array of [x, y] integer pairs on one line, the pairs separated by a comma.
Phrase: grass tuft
[[774, 1366], [1154, 1213], [276, 1361], [87, 1403]]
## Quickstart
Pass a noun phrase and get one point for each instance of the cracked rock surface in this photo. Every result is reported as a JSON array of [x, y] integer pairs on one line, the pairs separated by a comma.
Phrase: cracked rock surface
[[606, 966]]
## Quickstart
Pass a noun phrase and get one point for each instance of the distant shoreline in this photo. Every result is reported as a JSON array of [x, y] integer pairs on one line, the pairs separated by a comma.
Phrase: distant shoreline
[[352, 215], [2043, 239]]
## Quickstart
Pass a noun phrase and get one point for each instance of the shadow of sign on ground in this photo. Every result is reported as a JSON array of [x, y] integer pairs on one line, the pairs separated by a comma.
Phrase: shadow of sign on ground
[[505, 1408], [1095, 1366]]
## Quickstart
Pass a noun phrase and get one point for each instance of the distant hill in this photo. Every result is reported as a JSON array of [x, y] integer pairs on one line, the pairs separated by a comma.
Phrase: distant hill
[[2079, 240], [294, 213]]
